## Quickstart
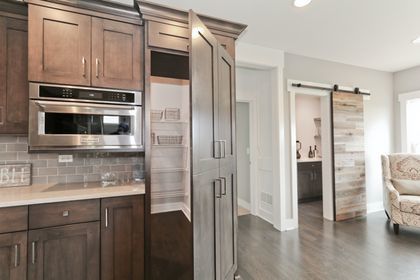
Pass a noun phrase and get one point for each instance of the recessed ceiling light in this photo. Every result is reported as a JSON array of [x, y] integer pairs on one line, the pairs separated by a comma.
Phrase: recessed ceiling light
[[302, 3], [416, 41]]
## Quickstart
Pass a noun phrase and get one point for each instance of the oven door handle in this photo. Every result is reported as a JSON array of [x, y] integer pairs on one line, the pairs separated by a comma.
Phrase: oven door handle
[[43, 104]]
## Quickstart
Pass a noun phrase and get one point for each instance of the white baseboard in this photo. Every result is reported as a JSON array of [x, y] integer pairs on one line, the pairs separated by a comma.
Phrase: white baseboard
[[265, 215], [375, 207], [167, 207], [186, 211], [244, 204]]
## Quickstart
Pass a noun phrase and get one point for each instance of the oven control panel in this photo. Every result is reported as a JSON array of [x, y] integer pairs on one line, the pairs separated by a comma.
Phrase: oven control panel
[[92, 94]]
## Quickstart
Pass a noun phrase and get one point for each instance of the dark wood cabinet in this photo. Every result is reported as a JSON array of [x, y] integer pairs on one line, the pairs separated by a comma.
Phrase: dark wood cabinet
[[122, 241], [116, 54], [77, 49], [13, 256], [13, 76], [67, 253], [309, 181], [59, 46]]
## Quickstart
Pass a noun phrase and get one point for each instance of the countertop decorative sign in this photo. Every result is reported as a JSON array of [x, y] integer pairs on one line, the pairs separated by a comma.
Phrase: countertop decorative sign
[[14, 175]]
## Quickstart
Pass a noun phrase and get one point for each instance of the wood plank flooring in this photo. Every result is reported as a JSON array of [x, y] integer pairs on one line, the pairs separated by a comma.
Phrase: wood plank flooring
[[364, 248]]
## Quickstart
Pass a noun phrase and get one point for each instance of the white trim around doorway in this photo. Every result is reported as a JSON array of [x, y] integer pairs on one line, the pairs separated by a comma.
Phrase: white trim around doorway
[[253, 140]]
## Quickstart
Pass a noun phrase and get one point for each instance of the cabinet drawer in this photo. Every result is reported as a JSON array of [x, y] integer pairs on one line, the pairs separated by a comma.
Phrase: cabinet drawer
[[63, 213], [13, 219], [168, 36]]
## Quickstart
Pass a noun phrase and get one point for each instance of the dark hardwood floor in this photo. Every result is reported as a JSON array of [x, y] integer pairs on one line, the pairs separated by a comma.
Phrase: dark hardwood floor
[[364, 248]]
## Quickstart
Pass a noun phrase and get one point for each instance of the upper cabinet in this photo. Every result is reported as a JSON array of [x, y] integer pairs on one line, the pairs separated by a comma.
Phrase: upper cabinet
[[59, 46], [116, 54], [13, 73], [68, 47]]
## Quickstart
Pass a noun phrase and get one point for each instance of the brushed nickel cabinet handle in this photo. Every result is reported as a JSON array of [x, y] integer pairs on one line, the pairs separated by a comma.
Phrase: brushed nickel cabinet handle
[[33, 252], [2, 115], [106, 217], [217, 146], [84, 66], [17, 253], [223, 143], [219, 181], [224, 185], [97, 67]]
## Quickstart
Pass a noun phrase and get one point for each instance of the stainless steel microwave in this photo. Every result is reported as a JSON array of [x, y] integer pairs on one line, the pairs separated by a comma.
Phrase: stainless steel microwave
[[79, 118]]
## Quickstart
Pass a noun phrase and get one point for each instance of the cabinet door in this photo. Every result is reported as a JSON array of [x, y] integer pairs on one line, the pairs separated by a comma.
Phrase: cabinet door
[[305, 180], [206, 225], [116, 54], [13, 256], [204, 92], [206, 151], [122, 244], [66, 253], [59, 46], [226, 108], [228, 224], [227, 131], [13, 76]]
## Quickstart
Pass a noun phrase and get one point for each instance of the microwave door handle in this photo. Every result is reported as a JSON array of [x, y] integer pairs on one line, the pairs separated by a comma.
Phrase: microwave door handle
[[68, 104]]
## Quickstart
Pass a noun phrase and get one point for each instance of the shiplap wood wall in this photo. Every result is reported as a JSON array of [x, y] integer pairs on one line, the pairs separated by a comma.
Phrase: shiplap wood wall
[[349, 155]]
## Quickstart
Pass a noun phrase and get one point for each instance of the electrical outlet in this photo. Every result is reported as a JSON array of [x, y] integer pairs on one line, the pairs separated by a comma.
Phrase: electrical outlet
[[65, 158]]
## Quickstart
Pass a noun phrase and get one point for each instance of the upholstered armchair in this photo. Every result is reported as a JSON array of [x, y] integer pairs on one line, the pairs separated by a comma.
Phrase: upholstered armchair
[[401, 186]]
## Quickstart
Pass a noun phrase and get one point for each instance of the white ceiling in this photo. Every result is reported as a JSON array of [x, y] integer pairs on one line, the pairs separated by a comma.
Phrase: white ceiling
[[375, 34]]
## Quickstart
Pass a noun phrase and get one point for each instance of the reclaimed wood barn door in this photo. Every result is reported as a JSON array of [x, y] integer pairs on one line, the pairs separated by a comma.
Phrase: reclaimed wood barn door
[[349, 155]]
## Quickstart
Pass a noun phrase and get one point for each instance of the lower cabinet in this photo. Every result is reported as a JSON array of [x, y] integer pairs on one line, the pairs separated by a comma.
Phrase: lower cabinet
[[122, 238], [67, 253], [71, 241], [309, 181], [13, 256]]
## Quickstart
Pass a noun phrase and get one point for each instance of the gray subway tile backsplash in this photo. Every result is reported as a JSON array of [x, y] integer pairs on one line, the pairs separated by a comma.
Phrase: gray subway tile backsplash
[[85, 166]]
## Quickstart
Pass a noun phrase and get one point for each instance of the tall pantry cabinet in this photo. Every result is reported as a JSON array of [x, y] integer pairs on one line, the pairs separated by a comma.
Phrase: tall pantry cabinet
[[190, 144]]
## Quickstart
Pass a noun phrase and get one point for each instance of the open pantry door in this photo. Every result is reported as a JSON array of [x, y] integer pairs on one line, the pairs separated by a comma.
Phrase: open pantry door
[[206, 189]]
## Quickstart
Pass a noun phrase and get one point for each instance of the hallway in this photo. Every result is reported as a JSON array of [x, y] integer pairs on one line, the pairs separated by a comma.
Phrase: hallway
[[359, 249]]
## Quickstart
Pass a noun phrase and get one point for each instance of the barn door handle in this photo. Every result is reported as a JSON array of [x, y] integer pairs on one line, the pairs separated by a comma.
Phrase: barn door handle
[[218, 180]]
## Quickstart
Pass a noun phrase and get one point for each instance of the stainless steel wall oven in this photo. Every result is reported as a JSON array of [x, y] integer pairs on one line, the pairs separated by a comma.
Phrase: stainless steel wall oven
[[78, 118]]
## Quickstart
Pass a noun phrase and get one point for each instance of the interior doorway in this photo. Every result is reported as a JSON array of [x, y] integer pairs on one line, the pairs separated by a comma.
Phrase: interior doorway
[[243, 157], [309, 154], [316, 171]]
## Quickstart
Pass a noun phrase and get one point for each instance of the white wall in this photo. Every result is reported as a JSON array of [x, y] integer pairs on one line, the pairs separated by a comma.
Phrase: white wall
[[379, 111], [404, 81], [255, 86], [307, 108]]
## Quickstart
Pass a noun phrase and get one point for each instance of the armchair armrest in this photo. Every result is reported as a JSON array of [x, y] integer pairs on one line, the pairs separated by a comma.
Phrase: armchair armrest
[[393, 196]]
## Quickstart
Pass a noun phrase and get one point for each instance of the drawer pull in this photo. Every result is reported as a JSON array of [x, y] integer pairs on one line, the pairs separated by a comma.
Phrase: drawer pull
[[106, 217], [66, 213]]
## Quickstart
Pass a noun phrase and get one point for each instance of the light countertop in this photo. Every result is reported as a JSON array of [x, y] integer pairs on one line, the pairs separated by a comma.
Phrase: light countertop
[[309, 160], [48, 193]]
